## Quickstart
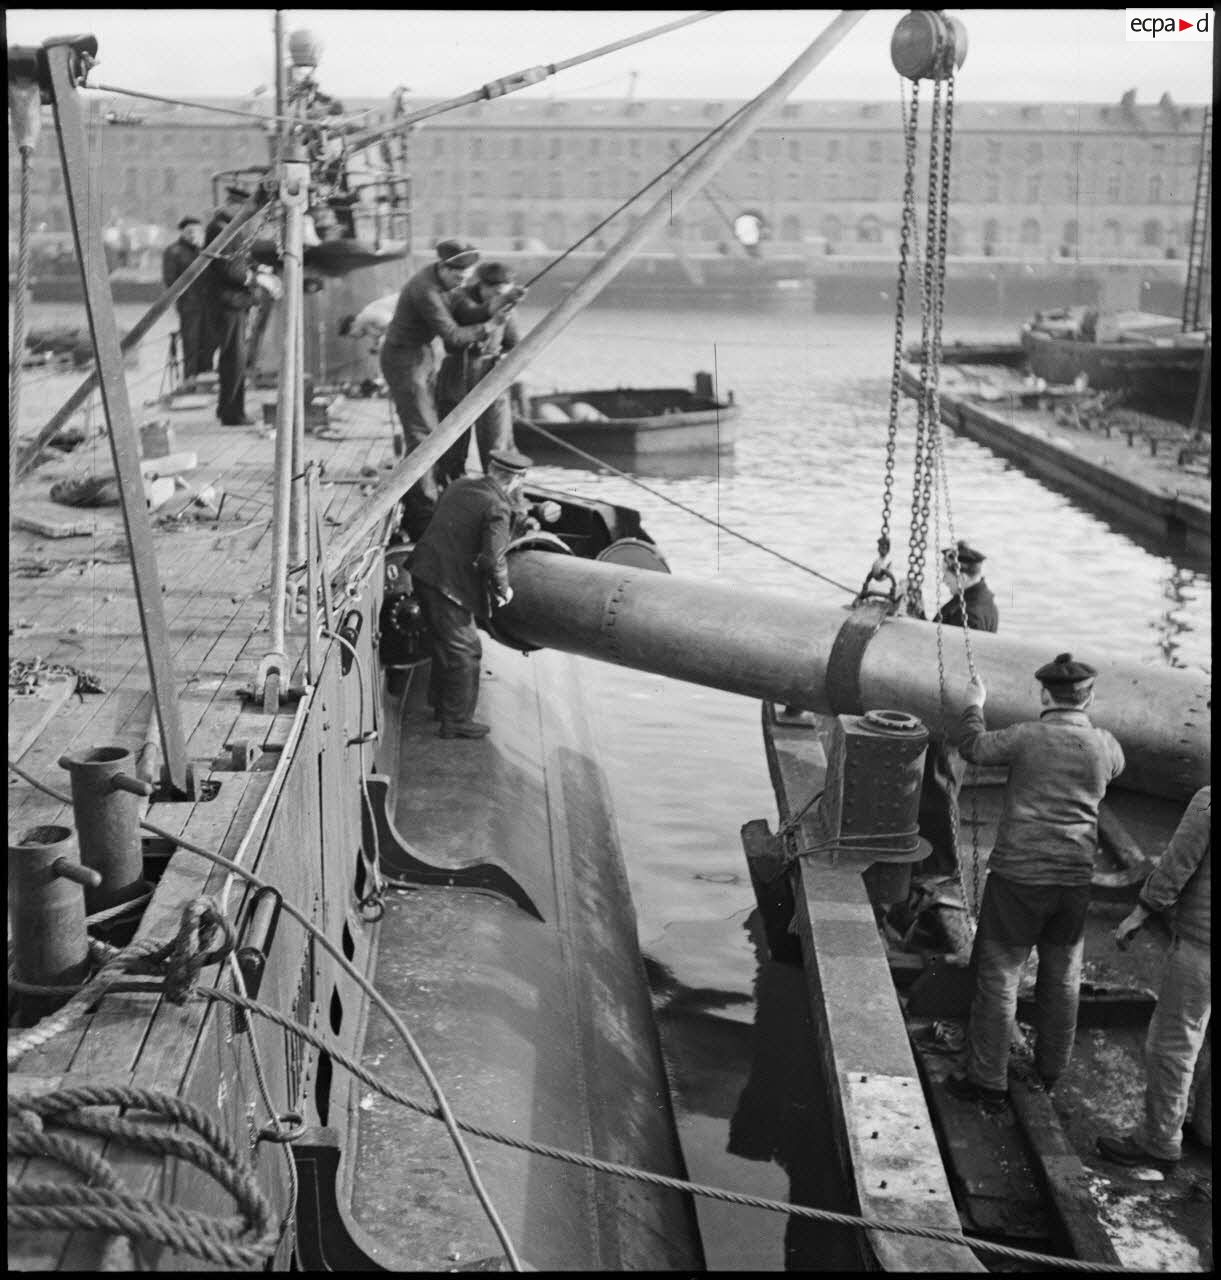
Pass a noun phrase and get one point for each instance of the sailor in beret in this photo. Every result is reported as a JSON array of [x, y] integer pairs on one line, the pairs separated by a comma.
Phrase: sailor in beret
[[460, 573], [409, 361], [488, 298], [1039, 873]]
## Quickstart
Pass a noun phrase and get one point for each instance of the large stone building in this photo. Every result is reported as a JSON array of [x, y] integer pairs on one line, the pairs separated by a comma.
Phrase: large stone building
[[1039, 181]]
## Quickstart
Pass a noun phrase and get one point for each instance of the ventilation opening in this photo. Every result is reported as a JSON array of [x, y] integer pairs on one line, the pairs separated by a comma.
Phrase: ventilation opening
[[349, 943], [322, 1090], [336, 1011], [358, 883]]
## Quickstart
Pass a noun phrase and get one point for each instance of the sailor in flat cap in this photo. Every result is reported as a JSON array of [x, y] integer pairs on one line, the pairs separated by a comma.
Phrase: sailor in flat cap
[[230, 294], [409, 362], [489, 298], [459, 573], [1039, 873], [175, 260], [962, 571]]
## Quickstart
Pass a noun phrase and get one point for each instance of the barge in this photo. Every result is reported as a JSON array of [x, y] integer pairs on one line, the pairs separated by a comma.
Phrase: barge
[[1148, 476]]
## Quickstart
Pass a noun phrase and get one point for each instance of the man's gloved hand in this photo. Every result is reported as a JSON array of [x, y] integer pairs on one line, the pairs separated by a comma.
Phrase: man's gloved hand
[[503, 597], [976, 693], [549, 511]]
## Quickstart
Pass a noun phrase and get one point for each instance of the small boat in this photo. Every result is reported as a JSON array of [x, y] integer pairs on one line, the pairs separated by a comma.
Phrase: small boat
[[1145, 356], [627, 420]]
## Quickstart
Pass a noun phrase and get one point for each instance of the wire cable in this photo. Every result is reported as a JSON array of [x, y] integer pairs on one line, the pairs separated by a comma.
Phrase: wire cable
[[682, 506]]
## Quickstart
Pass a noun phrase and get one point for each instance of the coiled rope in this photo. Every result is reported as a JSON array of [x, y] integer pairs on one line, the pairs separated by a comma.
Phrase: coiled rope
[[589, 1162]]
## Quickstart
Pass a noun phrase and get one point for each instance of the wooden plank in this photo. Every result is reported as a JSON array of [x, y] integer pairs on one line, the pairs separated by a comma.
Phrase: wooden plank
[[29, 713], [1065, 1178]]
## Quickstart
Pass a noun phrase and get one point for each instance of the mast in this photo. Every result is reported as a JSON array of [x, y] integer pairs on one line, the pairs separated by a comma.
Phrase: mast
[[506, 372]]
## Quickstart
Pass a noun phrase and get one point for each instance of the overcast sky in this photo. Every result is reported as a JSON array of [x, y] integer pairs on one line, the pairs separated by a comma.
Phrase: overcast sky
[[1071, 55]]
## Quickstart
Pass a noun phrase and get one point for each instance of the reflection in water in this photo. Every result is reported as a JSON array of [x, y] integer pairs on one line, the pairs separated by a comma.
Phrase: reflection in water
[[1173, 622], [783, 1115]]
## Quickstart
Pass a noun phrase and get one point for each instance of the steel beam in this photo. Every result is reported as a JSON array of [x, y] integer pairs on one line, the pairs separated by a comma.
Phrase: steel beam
[[66, 64]]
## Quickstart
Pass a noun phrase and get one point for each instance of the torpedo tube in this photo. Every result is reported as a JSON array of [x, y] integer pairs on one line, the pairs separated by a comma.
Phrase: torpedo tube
[[768, 645]]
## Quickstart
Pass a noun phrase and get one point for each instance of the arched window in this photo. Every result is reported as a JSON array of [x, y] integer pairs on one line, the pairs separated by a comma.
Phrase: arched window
[[1031, 232], [555, 184], [517, 223], [1112, 234], [992, 235], [790, 229], [1151, 233], [831, 229], [1072, 233], [869, 230], [955, 237], [479, 225], [1155, 188]]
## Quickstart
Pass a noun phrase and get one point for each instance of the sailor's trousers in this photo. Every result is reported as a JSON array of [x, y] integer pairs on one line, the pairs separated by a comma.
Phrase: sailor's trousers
[[1172, 1048], [456, 654], [410, 374]]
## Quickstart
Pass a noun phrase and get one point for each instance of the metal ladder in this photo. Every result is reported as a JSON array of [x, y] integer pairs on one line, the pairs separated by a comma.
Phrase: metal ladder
[[1199, 262]]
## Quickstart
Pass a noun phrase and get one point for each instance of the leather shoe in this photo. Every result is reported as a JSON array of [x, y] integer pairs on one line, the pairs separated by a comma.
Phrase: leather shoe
[[965, 1090], [465, 729], [1126, 1151], [241, 422]]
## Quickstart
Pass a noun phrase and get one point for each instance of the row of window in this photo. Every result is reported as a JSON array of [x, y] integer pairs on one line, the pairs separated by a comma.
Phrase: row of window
[[475, 148], [558, 230], [617, 183]]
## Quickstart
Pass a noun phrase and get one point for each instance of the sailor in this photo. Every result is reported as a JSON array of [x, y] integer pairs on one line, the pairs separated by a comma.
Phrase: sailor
[[409, 364], [229, 297], [175, 260], [976, 599], [1039, 874], [1182, 881], [942, 769], [459, 573], [493, 286]]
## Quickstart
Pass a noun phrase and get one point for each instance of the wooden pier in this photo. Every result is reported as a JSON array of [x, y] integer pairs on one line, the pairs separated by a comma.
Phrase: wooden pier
[[1149, 477]]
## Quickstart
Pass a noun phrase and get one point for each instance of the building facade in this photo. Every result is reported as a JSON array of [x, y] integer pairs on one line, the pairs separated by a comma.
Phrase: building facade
[[1039, 181]]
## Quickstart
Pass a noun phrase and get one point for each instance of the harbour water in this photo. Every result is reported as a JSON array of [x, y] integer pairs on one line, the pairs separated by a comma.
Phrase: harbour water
[[686, 766]]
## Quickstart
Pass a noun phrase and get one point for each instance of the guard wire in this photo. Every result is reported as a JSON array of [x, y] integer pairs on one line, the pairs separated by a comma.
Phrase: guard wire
[[588, 1162], [682, 506], [365, 985]]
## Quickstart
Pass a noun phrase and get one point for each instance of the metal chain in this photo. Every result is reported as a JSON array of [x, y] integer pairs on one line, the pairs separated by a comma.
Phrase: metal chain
[[922, 469], [907, 228]]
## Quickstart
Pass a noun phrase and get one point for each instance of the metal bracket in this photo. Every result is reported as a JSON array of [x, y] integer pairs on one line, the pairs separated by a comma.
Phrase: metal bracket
[[399, 859], [272, 675], [843, 678]]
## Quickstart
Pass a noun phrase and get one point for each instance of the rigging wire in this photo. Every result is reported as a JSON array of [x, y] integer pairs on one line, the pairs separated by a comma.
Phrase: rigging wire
[[261, 117], [361, 1073], [682, 506], [610, 217]]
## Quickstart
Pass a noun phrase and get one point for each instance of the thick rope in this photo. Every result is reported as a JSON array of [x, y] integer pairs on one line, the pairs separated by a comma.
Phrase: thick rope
[[583, 1161], [365, 985], [245, 1241]]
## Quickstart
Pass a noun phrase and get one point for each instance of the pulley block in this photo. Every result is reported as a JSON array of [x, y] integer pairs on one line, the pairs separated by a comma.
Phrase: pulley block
[[928, 45]]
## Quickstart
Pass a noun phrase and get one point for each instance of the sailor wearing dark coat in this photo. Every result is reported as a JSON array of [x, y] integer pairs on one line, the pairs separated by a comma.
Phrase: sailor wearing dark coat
[[976, 600], [942, 772], [459, 573], [174, 261], [409, 363], [229, 299]]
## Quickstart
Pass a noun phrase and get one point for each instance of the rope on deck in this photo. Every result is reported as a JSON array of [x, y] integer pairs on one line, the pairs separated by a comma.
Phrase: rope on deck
[[337, 1055]]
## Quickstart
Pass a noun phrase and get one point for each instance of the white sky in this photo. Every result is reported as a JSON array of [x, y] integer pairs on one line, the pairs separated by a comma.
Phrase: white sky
[[1070, 55]]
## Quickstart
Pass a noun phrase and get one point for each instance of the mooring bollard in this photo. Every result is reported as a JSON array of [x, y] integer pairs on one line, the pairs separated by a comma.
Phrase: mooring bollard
[[105, 802], [47, 912]]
